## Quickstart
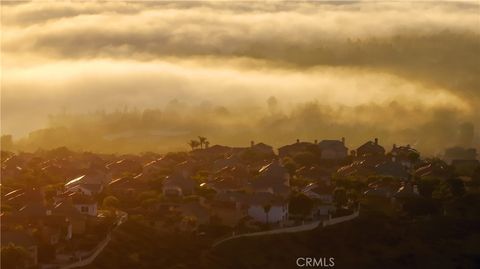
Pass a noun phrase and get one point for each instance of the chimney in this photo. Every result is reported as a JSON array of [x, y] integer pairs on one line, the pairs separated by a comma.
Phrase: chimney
[[376, 141], [408, 146], [316, 141], [252, 143], [298, 140], [343, 140], [353, 153]]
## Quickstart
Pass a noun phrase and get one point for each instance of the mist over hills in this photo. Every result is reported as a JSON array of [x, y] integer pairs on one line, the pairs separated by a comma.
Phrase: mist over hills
[[234, 72]]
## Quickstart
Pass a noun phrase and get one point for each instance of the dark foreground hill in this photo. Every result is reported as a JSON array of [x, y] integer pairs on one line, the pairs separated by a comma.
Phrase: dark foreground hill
[[368, 242]]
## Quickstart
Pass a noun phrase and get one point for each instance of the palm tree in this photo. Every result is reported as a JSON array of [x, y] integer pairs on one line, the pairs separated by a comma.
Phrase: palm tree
[[202, 140], [193, 144], [267, 208], [207, 143]]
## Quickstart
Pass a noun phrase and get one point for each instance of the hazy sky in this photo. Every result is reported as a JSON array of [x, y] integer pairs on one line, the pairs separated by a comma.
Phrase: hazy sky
[[400, 64]]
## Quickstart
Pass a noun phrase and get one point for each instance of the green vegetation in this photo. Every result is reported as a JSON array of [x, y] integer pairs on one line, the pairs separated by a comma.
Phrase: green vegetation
[[14, 257]]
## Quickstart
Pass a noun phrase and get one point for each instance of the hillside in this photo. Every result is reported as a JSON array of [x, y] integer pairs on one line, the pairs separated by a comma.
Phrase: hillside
[[367, 242]]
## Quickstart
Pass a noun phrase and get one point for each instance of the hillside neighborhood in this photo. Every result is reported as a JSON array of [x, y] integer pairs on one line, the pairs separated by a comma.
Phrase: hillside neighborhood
[[60, 207]]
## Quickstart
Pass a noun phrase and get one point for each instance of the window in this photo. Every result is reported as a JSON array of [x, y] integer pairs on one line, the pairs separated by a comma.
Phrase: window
[[85, 209]]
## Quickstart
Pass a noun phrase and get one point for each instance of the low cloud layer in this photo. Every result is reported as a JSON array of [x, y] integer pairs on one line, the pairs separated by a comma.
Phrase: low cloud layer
[[404, 71]]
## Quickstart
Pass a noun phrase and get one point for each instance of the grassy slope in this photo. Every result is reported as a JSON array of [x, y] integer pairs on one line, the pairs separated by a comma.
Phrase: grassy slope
[[368, 242], [373, 242]]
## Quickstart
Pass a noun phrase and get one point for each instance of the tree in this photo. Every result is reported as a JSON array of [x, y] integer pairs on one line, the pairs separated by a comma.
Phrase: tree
[[14, 257], [202, 141], [290, 165], [207, 143], [300, 204], [305, 158], [475, 182], [111, 202], [413, 157], [266, 209], [426, 186], [457, 188], [193, 144], [340, 197]]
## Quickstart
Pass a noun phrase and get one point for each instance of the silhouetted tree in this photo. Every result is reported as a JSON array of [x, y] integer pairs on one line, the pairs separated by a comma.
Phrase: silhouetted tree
[[266, 209], [193, 144], [340, 197], [202, 140], [300, 204]]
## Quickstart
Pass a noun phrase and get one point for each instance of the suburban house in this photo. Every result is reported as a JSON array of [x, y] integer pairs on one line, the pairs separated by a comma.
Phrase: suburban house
[[88, 184], [323, 195], [433, 170], [392, 169], [127, 166], [266, 208], [296, 148], [227, 207], [333, 149], [262, 149], [77, 220], [178, 184], [127, 186], [273, 178], [84, 204], [405, 155], [371, 148], [314, 173], [228, 179]]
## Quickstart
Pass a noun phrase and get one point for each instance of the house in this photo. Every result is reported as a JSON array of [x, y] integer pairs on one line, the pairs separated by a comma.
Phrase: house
[[266, 208], [364, 168], [333, 149], [406, 191], [127, 186], [228, 208], [381, 190], [213, 152], [77, 220], [256, 152], [323, 194], [123, 167], [296, 148], [89, 184], [24, 240], [392, 169], [84, 204], [179, 184], [158, 167], [228, 179], [273, 178], [261, 149], [314, 173], [434, 169], [371, 148], [320, 191], [405, 155]]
